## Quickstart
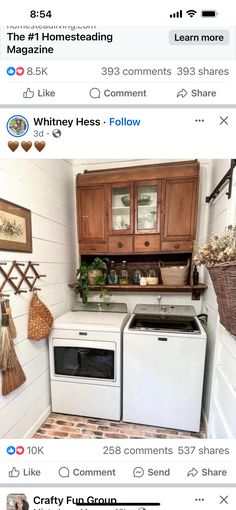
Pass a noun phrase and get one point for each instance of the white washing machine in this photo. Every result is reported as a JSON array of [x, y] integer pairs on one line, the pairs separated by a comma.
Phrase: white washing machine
[[85, 349], [163, 367]]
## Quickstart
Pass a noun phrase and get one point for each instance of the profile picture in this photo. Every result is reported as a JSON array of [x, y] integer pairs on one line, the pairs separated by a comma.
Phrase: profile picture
[[17, 502], [17, 125]]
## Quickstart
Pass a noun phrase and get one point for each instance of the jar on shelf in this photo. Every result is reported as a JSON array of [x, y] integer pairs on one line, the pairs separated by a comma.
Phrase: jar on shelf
[[152, 278], [143, 281], [137, 275], [112, 275], [124, 274]]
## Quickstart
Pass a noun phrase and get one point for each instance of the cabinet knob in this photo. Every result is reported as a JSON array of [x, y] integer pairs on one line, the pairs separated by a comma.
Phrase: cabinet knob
[[147, 243], [93, 248], [120, 244], [177, 245]]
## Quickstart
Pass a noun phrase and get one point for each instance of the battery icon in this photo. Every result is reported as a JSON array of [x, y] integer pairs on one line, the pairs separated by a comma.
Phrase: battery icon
[[209, 14]]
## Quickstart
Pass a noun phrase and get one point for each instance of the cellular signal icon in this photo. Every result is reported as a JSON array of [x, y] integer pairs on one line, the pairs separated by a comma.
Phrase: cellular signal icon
[[178, 14]]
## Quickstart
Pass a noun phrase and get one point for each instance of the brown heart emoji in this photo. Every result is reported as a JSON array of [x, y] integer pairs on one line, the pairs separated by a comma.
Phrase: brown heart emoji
[[13, 146], [26, 146], [39, 146]]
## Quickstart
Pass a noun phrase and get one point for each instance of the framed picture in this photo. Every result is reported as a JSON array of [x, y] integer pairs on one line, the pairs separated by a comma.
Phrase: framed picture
[[15, 227]]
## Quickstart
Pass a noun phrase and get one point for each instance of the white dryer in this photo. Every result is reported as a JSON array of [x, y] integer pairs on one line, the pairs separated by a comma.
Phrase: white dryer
[[85, 350], [163, 367]]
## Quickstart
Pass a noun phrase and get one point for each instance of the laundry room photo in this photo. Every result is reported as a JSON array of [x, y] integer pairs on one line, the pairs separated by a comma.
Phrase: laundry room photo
[[117, 299]]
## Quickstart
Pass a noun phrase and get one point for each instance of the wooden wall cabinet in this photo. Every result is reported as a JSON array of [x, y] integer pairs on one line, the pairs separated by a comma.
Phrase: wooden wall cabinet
[[179, 209], [91, 214], [153, 211]]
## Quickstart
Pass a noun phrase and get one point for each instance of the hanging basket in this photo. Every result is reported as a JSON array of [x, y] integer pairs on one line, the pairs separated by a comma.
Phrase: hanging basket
[[224, 282], [40, 320]]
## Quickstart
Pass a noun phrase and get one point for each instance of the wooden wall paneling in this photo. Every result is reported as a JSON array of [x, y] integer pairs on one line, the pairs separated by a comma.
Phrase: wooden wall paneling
[[35, 194], [46, 187], [36, 415], [27, 350], [33, 370], [11, 414]]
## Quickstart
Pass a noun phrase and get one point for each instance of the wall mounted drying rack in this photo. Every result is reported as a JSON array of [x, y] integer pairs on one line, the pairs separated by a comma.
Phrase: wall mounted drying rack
[[19, 273], [227, 177]]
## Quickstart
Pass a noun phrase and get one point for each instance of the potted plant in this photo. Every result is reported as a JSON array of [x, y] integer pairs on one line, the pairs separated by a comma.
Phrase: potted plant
[[88, 275], [97, 272], [219, 256]]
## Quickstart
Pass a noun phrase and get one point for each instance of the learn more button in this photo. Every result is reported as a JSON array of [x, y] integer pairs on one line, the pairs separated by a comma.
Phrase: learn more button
[[199, 37]]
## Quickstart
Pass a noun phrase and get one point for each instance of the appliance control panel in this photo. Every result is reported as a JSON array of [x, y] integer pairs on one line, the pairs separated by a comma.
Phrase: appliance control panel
[[95, 306], [180, 310]]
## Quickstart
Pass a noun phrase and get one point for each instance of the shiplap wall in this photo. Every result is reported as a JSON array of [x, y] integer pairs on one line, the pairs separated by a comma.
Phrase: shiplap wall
[[46, 187], [205, 186], [222, 212]]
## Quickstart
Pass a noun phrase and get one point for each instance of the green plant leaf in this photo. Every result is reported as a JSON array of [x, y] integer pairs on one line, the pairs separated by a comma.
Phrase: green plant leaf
[[100, 280], [105, 293], [98, 264]]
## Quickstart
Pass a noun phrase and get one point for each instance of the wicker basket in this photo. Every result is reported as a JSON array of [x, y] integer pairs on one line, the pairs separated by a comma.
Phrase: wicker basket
[[40, 320], [174, 275], [224, 282]]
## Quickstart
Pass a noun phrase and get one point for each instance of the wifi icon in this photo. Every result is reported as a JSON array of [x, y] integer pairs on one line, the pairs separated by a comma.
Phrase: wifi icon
[[191, 13]]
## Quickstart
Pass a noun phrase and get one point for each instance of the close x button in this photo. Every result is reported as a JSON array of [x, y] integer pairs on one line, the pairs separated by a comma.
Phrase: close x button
[[224, 500], [224, 120]]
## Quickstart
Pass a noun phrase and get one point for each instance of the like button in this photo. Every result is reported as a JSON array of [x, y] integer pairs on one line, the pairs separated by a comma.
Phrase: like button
[[14, 473], [28, 94]]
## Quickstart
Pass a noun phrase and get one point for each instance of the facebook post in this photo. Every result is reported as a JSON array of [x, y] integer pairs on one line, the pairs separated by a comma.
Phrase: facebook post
[[117, 256]]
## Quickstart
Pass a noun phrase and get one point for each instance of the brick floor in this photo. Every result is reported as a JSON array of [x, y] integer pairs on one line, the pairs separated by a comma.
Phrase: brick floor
[[63, 426]]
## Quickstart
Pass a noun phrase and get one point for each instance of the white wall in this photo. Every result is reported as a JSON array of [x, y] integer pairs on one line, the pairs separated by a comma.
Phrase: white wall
[[219, 218], [46, 187], [220, 392], [205, 185]]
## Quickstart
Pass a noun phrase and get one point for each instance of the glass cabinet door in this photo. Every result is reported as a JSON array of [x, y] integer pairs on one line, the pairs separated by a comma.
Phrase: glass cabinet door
[[121, 209], [147, 199]]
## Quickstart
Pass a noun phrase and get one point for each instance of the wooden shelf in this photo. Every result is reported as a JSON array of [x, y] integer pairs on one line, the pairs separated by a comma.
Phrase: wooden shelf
[[196, 290]]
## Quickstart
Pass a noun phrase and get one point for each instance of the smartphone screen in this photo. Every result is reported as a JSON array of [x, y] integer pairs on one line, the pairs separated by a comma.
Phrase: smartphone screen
[[117, 255]]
